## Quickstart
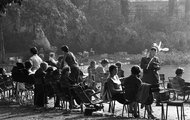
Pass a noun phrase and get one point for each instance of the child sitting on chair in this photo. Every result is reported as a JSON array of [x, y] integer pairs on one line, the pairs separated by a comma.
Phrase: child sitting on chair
[[66, 84]]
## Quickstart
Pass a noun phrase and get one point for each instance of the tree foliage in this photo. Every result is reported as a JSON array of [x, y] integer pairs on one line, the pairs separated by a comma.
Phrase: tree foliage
[[107, 26]]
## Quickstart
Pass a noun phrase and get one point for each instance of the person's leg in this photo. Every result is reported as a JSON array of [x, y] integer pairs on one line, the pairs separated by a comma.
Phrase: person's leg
[[75, 97], [156, 96], [135, 108], [57, 102], [149, 111], [75, 71], [119, 97]]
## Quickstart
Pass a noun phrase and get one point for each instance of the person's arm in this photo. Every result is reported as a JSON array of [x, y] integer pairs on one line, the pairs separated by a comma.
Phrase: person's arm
[[139, 83], [157, 65], [143, 65], [122, 73], [122, 79], [63, 61], [32, 68]]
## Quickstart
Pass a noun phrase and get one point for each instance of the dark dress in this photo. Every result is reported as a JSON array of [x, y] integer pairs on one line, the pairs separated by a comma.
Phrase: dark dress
[[132, 85], [39, 92], [150, 72]]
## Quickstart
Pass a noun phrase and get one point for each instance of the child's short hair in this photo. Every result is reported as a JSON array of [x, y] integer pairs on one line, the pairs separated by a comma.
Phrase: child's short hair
[[118, 64], [104, 61], [65, 69], [112, 67], [56, 72], [20, 65], [49, 69], [135, 70], [44, 66], [52, 54], [179, 71], [92, 62], [28, 64]]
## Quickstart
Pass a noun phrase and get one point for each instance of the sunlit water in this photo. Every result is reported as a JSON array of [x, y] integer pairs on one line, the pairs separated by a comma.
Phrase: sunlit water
[[168, 70]]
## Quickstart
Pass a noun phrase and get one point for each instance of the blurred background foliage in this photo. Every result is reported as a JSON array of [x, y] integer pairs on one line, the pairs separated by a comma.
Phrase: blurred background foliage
[[107, 26]]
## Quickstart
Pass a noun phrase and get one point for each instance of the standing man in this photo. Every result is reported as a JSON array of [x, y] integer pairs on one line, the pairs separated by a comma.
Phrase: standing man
[[70, 59], [35, 59], [150, 65]]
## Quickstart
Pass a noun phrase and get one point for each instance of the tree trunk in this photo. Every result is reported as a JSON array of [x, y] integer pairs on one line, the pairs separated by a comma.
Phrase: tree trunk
[[2, 41], [187, 9], [89, 6], [172, 7], [125, 9]]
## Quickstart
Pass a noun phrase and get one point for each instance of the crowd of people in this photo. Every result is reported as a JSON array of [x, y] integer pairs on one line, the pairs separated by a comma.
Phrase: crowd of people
[[56, 77]]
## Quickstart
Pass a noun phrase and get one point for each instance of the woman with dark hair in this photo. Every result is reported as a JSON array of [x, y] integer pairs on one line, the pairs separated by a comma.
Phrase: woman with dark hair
[[70, 59], [35, 59], [114, 84]]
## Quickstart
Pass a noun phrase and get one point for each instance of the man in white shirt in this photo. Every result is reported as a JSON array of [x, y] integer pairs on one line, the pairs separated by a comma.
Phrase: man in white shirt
[[35, 59]]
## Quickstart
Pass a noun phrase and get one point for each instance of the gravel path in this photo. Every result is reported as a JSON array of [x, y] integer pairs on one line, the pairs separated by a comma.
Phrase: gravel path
[[16, 112]]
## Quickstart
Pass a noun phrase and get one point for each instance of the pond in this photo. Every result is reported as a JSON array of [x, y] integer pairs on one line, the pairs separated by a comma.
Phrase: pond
[[168, 70]]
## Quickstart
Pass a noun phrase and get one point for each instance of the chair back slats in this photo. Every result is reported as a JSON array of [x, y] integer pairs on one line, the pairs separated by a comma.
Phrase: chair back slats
[[81, 94]]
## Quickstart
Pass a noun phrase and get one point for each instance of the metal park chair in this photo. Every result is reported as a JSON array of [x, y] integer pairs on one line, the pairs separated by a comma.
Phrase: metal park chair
[[86, 100]]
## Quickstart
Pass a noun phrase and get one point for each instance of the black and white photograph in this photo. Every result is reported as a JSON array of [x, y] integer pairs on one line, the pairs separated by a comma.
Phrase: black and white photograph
[[94, 59]]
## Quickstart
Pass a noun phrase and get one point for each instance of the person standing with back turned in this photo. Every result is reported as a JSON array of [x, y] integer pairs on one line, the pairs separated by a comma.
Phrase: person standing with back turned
[[35, 59]]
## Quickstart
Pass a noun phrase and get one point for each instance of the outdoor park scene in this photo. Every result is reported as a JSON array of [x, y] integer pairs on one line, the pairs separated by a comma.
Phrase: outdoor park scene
[[94, 59]]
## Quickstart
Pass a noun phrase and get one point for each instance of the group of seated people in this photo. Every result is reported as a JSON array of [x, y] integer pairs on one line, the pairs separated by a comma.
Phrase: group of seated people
[[121, 87], [49, 81], [125, 90]]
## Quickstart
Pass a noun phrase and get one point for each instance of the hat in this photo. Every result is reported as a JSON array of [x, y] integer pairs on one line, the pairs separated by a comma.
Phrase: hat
[[153, 48]]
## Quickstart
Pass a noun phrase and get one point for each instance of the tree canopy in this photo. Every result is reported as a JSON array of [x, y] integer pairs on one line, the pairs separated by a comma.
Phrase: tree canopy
[[107, 26]]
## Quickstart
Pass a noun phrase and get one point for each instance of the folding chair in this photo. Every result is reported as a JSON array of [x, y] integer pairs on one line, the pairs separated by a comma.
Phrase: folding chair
[[7, 88], [64, 98], [163, 80], [177, 92], [85, 99]]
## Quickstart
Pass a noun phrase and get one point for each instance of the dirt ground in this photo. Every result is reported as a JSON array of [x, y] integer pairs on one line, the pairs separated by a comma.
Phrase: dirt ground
[[27, 112]]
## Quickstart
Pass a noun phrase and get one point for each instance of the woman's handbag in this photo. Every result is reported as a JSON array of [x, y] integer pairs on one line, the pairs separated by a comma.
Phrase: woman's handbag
[[164, 95]]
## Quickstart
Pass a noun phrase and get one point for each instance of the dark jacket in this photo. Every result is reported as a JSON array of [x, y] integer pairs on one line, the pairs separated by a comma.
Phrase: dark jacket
[[150, 71], [132, 85]]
